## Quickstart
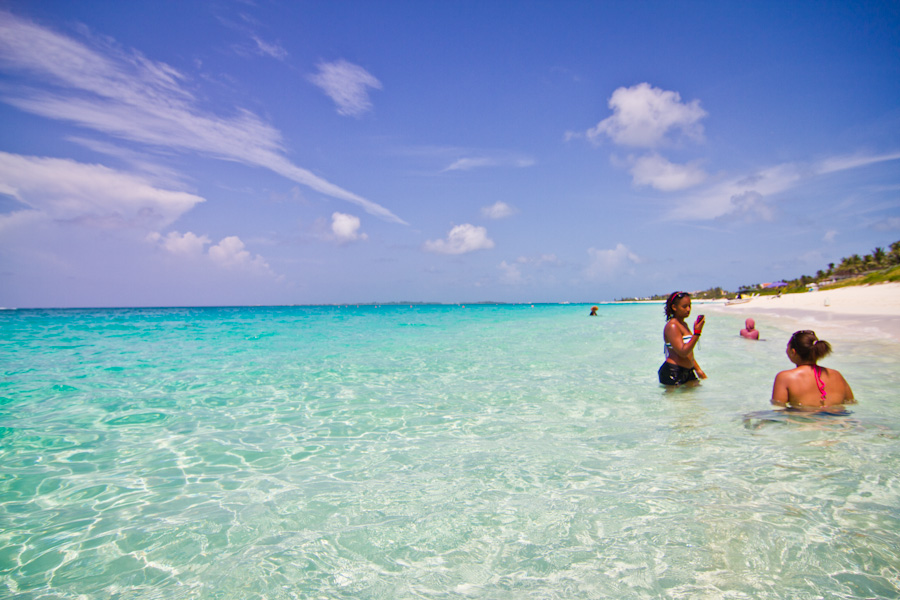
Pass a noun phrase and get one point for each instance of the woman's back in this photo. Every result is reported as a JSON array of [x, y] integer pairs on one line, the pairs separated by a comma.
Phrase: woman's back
[[811, 387]]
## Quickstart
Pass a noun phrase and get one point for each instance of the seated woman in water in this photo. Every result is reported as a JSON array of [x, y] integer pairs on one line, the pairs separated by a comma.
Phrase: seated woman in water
[[809, 387], [680, 366]]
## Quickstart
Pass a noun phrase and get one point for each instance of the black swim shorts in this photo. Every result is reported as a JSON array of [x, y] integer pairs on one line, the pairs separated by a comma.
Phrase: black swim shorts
[[672, 374]]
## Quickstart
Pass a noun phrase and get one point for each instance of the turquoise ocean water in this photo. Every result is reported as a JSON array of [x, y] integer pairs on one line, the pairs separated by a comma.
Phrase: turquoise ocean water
[[429, 452]]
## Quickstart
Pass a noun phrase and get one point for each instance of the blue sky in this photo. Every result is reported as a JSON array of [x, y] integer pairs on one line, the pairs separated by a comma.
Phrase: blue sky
[[213, 153]]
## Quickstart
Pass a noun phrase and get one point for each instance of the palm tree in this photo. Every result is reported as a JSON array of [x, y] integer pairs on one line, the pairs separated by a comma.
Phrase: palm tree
[[894, 256]]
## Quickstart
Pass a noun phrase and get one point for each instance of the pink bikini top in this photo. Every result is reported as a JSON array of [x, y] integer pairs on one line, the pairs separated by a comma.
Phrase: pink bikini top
[[817, 370]]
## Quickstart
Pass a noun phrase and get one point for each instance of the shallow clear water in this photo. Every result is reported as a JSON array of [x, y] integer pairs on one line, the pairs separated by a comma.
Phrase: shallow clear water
[[504, 452]]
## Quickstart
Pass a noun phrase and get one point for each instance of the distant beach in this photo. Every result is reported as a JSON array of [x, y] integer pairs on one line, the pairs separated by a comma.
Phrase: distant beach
[[857, 311]]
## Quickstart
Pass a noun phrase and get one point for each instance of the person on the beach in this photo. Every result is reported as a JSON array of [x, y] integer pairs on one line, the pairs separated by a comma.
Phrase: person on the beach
[[594, 310], [749, 331], [808, 386], [680, 366]]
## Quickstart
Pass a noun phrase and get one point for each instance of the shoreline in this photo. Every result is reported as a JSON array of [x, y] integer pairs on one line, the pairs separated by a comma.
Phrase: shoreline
[[864, 311]]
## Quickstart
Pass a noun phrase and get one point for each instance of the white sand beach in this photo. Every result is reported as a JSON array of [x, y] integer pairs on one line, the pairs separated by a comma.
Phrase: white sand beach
[[859, 311]]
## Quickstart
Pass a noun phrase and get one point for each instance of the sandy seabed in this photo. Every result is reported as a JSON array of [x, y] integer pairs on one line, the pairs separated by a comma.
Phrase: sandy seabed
[[871, 311]]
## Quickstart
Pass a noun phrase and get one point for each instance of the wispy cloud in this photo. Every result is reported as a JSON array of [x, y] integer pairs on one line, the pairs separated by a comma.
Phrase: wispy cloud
[[646, 117], [750, 197], [512, 273], [65, 190], [605, 264], [348, 85], [658, 172], [461, 239], [131, 97], [889, 224], [275, 50]]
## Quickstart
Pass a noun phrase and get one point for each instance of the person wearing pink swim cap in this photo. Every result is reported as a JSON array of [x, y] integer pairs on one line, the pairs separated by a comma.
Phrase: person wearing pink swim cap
[[750, 332]]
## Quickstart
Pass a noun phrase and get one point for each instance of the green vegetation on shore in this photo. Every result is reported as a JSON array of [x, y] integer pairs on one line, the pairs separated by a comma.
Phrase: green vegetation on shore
[[880, 266]]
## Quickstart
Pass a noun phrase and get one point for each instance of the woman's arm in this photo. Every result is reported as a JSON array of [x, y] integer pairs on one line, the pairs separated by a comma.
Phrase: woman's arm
[[780, 389], [698, 370], [848, 393]]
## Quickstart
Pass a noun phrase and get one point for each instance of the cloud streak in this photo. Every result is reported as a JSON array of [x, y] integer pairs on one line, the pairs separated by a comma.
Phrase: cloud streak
[[467, 164], [131, 97]]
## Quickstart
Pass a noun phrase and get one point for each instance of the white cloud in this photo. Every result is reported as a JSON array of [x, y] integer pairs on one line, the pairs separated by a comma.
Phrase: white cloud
[[188, 244], [230, 253], [346, 228], [498, 210], [643, 116], [131, 97], [830, 235], [658, 172], [65, 190], [347, 84], [461, 239], [606, 263]]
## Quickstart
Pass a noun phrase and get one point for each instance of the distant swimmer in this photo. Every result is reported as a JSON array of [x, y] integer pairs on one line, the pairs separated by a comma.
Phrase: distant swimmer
[[594, 310], [809, 387], [750, 332], [680, 366]]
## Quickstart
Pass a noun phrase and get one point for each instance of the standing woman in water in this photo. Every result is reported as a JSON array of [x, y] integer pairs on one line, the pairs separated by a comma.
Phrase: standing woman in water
[[809, 387], [680, 366]]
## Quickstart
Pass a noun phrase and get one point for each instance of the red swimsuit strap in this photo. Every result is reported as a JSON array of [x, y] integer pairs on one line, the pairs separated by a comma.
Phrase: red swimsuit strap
[[817, 370]]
